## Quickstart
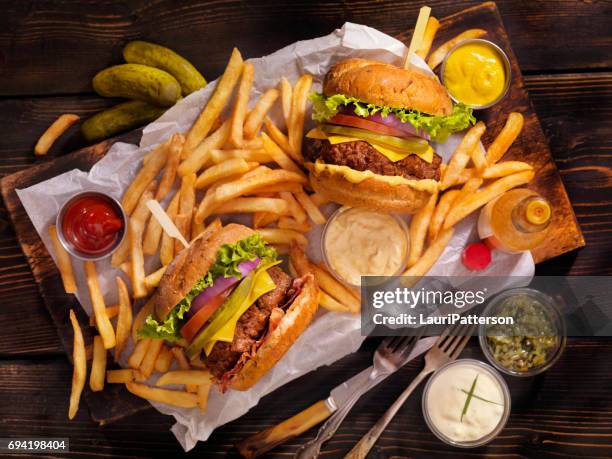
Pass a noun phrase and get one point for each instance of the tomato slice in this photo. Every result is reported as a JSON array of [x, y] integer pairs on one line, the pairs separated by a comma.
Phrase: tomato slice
[[195, 324], [361, 123]]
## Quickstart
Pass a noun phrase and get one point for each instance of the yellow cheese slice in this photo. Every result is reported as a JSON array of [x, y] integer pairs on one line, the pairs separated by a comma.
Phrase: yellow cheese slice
[[391, 154]]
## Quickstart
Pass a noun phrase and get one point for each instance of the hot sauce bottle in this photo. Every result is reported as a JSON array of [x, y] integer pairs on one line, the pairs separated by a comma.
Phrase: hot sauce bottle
[[516, 221]]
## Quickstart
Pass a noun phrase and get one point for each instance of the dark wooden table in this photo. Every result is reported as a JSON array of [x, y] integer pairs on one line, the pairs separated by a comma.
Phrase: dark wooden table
[[49, 50]]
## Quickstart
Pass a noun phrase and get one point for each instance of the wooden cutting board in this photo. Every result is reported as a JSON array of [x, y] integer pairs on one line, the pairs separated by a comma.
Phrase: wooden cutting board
[[115, 402]]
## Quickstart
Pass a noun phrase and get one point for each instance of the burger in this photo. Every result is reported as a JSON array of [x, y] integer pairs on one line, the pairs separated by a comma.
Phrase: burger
[[371, 147], [226, 299]]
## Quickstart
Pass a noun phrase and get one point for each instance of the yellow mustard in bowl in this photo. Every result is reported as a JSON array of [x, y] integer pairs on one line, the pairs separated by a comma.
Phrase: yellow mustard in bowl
[[476, 73]]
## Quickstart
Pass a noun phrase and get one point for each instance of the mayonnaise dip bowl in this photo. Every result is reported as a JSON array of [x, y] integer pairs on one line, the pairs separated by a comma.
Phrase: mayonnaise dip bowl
[[466, 403], [361, 242]]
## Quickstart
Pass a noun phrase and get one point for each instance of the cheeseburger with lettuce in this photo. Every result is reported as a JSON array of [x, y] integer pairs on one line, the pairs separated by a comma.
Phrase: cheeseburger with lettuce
[[229, 301], [371, 147]]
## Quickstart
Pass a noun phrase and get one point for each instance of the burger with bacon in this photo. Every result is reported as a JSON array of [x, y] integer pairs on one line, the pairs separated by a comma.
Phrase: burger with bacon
[[228, 301], [372, 144]]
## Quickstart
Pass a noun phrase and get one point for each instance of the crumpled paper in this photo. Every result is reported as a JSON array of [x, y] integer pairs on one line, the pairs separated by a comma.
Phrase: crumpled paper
[[332, 335]]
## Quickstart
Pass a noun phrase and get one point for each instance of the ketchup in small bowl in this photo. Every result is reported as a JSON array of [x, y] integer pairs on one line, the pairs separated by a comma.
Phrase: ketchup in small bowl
[[91, 225]]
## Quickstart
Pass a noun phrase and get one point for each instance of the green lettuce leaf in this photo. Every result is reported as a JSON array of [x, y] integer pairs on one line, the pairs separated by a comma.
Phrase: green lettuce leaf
[[226, 265], [438, 127]]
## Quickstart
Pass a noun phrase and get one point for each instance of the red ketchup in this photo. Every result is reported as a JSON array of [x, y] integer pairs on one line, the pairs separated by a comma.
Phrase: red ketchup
[[92, 224], [476, 256]]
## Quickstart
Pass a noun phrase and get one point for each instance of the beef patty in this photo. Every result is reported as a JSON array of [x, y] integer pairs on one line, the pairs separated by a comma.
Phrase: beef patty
[[250, 327], [361, 156]]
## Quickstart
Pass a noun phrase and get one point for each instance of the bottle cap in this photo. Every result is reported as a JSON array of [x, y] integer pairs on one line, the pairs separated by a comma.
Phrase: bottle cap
[[538, 212]]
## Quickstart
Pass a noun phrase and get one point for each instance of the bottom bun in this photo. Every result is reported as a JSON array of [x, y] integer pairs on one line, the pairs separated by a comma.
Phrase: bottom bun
[[297, 317], [386, 194]]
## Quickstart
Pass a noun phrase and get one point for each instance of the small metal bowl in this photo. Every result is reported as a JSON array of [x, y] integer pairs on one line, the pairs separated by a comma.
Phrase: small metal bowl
[[549, 307], [69, 246], [343, 210], [505, 61]]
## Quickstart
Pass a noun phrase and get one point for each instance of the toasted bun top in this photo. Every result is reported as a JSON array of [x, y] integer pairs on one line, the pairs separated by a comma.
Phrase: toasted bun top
[[380, 83], [191, 264]]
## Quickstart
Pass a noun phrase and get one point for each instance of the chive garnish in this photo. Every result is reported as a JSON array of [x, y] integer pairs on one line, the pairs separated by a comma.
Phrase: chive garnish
[[468, 399], [481, 398]]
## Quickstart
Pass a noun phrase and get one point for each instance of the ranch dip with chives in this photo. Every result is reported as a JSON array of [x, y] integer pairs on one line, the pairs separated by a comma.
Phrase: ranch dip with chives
[[361, 242], [465, 401]]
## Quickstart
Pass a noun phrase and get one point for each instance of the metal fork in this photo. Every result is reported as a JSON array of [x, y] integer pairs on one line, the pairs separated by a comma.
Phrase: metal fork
[[391, 354], [447, 348]]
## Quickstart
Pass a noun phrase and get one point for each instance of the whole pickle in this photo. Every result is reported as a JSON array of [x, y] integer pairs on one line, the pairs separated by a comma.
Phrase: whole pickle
[[118, 119], [136, 81], [142, 52]]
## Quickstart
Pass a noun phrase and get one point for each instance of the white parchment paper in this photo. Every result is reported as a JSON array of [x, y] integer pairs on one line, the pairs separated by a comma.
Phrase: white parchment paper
[[332, 335]]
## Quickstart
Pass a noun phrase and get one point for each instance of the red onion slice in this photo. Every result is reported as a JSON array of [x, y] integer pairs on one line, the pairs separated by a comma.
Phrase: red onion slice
[[220, 285]]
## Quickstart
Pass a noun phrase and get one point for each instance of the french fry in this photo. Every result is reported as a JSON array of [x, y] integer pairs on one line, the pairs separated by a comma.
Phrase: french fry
[[138, 355], [186, 208], [486, 194], [172, 162], [461, 156], [202, 154], [478, 158], [298, 114], [430, 33], [122, 376], [181, 360], [255, 118], [153, 234], [111, 311], [330, 304], [336, 290], [468, 189], [203, 391], [212, 228], [290, 223], [103, 324], [215, 104], [166, 249], [252, 144], [196, 229], [140, 318], [318, 199], [79, 366], [182, 223], [294, 207], [153, 279], [251, 156], [281, 249], [169, 397], [138, 376], [53, 132], [418, 229], [124, 318], [279, 156], [286, 98], [291, 187], [263, 219], [236, 137], [224, 169], [136, 229], [438, 55], [429, 257], [497, 170], [164, 360], [282, 236], [187, 377], [279, 138], [245, 185], [441, 211], [273, 205], [147, 174], [298, 260], [98, 365], [509, 133], [148, 362], [64, 263], [310, 207]]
